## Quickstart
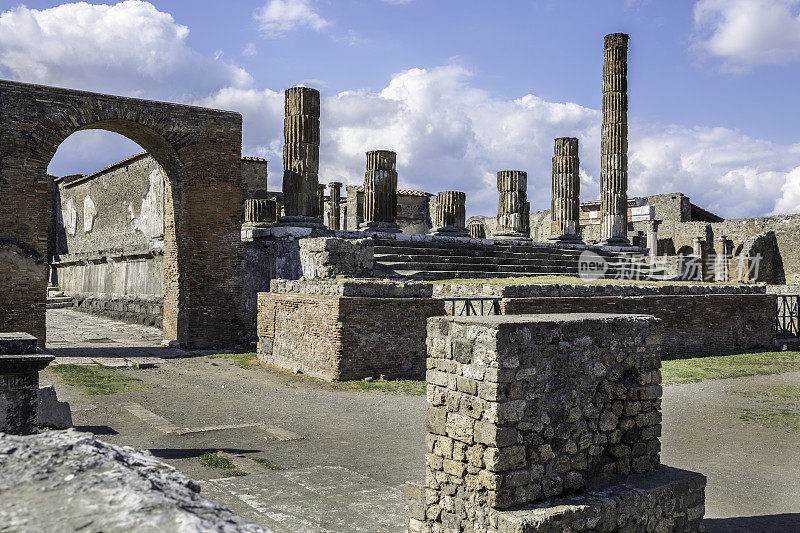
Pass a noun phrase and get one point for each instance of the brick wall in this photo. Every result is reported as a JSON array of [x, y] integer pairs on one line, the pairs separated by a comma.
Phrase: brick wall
[[340, 338], [696, 324], [200, 150]]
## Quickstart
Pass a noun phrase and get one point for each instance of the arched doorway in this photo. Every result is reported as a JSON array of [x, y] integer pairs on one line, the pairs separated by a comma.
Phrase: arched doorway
[[199, 150]]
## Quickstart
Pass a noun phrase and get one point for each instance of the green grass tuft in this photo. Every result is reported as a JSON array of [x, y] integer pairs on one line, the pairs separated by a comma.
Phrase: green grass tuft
[[414, 387], [217, 462], [729, 366], [266, 463], [95, 380]]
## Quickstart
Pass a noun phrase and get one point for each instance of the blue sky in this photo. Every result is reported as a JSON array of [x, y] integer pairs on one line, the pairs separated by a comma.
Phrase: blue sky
[[460, 89]]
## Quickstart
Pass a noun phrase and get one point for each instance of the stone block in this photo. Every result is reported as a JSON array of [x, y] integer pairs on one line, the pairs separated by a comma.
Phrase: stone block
[[17, 343], [52, 413]]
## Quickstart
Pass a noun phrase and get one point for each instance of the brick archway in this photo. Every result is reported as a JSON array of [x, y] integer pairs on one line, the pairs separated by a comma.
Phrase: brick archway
[[199, 150]]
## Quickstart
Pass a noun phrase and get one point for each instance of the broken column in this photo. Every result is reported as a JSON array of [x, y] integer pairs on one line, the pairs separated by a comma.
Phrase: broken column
[[722, 260], [565, 207], [614, 142], [513, 209], [301, 158], [335, 207], [260, 211], [477, 229], [652, 237], [380, 192], [19, 383], [321, 201], [451, 214]]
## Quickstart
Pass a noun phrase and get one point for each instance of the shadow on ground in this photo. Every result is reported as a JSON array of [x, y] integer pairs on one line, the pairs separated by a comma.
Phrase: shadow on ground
[[186, 453], [754, 524]]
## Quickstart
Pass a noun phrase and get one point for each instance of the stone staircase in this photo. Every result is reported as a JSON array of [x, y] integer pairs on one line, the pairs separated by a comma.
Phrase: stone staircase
[[57, 300], [440, 259]]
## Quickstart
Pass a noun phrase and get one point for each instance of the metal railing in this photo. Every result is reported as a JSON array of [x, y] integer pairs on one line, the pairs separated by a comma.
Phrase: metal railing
[[786, 324], [472, 306]]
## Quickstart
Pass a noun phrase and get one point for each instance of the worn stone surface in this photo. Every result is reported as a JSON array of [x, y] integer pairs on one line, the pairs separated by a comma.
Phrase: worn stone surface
[[200, 151], [19, 385], [328, 257], [67, 480], [565, 206], [380, 192], [16, 343], [51, 412], [513, 208], [614, 141]]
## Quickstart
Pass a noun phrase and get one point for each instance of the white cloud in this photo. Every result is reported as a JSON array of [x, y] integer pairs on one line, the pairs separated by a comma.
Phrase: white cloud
[[748, 33], [129, 48], [278, 17], [249, 50], [450, 135]]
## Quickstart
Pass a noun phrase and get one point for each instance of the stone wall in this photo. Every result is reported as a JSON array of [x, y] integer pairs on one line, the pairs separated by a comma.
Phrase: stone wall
[[693, 325], [527, 408], [414, 210], [340, 330]]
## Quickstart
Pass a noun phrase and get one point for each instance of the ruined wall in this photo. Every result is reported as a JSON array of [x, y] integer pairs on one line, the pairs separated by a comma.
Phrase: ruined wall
[[413, 210], [692, 325], [254, 177], [330, 331]]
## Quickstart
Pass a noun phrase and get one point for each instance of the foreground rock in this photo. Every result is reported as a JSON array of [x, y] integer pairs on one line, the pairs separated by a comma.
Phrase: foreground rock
[[68, 481]]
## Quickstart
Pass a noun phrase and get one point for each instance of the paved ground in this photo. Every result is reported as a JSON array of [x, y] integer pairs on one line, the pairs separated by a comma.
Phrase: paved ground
[[344, 456]]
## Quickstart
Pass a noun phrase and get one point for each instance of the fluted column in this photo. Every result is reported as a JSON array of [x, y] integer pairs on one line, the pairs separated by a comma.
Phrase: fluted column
[[321, 201], [380, 192], [565, 206], [301, 157], [652, 237], [335, 206], [614, 142], [260, 211], [451, 214], [513, 208], [477, 229]]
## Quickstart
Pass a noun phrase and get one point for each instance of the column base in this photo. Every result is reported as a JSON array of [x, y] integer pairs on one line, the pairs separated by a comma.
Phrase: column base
[[510, 236], [300, 221], [449, 231], [380, 227], [615, 241], [567, 237]]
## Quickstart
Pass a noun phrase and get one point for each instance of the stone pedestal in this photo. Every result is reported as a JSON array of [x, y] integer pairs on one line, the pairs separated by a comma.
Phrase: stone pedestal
[[614, 142], [451, 214], [301, 158], [19, 383], [380, 192], [652, 237], [477, 229], [565, 207], [524, 436], [260, 212], [335, 206], [513, 209]]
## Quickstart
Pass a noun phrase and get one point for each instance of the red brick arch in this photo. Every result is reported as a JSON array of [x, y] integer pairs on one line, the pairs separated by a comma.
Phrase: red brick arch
[[199, 150]]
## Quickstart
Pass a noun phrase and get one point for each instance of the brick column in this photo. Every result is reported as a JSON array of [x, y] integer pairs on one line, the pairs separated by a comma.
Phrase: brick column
[[477, 229], [451, 214], [513, 209], [614, 142], [19, 383], [380, 192], [335, 205], [301, 158], [565, 207]]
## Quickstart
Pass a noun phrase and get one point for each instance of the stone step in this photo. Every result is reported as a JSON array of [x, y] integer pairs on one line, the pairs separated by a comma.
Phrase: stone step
[[59, 302], [445, 252]]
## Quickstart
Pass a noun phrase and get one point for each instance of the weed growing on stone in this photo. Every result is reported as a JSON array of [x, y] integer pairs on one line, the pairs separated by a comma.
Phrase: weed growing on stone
[[695, 369], [266, 463], [413, 387], [95, 380], [217, 462]]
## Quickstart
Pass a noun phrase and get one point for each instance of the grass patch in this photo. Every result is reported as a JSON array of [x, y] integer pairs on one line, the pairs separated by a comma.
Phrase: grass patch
[[729, 366], [245, 360], [781, 407], [414, 387], [266, 463], [95, 380], [774, 417], [217, 462], [567, 280]]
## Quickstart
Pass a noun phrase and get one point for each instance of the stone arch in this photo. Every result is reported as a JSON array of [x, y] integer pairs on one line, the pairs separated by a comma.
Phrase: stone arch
[[199, 150], [685, 250]]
